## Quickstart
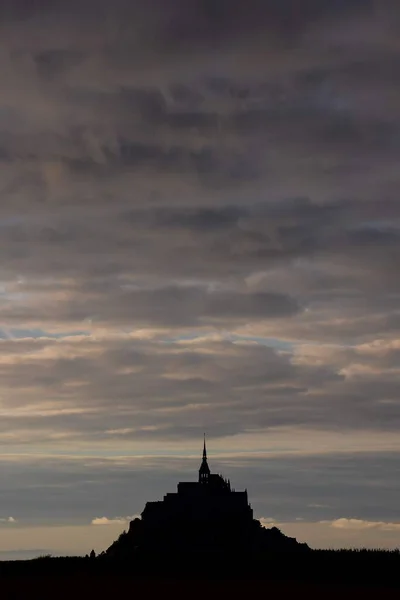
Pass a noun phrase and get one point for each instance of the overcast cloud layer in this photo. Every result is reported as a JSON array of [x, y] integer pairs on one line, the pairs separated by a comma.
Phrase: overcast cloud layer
[[200, 231]]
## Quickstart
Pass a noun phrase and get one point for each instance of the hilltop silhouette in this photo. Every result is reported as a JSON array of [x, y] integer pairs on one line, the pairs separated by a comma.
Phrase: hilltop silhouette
[[206, 516]]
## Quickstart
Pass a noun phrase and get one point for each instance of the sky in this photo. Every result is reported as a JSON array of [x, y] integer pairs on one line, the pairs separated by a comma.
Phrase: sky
[[199, 232]]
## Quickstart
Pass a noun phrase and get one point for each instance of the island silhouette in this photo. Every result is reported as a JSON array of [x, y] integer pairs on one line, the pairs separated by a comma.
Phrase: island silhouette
[[203, 516]]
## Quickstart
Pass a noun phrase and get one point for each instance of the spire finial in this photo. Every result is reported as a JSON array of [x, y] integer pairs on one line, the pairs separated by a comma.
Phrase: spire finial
[[204, 448]]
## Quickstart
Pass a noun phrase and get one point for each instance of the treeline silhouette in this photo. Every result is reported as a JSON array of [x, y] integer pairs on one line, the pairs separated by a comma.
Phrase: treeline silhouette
[[328, 567]]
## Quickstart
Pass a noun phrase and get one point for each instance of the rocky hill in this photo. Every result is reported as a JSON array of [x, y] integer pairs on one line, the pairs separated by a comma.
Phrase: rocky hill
[[205, 537]]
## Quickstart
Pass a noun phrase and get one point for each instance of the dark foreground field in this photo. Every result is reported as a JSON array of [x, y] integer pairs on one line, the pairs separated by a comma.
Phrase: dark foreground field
[[113, 587], [314, 574]]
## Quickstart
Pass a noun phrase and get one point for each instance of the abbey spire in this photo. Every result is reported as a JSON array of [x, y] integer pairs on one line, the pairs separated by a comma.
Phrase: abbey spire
[[204, 471]]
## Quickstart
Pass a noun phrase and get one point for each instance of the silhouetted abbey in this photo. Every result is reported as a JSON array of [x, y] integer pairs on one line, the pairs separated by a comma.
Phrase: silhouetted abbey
[[210, 499], [204, 515]]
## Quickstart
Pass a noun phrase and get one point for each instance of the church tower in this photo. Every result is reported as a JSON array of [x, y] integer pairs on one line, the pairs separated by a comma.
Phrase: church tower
[[204, 471]]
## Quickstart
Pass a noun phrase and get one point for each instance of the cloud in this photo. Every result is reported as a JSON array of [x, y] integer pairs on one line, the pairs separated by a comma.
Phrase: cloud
[[162, 385], [267, 521], [359, 524], [112, 521], [8, 520]]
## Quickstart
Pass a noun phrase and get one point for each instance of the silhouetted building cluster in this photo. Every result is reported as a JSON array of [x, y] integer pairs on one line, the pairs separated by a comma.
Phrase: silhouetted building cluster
[[208, 500]]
